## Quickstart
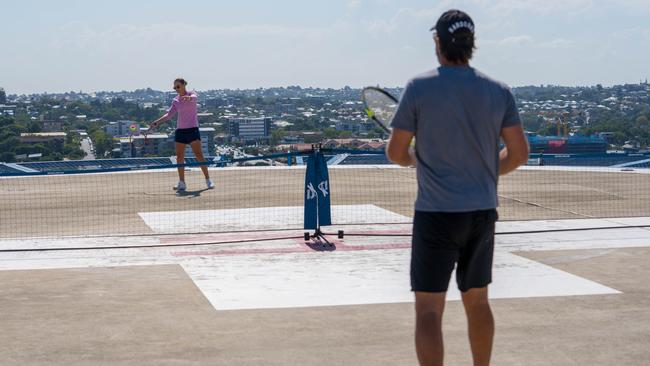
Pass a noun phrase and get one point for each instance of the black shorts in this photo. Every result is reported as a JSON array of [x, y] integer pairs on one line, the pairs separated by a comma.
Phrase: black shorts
[[187, 135], [442, 240]]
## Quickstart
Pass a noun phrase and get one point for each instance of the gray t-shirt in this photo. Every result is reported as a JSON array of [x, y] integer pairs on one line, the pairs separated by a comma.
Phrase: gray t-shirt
[[457, 114]]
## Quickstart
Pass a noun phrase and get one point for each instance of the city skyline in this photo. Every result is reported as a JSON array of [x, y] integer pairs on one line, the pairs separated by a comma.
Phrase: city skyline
[[72, 45]]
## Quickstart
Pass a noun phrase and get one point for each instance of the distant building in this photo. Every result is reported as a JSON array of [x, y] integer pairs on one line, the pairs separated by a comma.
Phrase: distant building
[[607, 136], [147, 105], [300, 147], [221, 139], [345, 143], [285, 108], [36, 137], [205, 114], [359, 144], [57, 139], [250, 129], [293, 139], [121, 128], [52, 126], [631, 146], [28, 157], [213, 103], [567, 145], [373, 145], [136, 147], [7, 110], [353, 126]]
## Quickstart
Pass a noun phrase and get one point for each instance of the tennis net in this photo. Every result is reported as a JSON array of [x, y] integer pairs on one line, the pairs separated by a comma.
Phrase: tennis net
[[272, 198]]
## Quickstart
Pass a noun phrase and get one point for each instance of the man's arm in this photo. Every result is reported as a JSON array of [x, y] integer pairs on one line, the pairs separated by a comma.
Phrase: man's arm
[[404, 123], [399, 149], [516, 151]]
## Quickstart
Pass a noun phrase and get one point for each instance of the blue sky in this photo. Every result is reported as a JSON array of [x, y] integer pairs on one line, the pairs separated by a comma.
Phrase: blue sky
[[67, 45]]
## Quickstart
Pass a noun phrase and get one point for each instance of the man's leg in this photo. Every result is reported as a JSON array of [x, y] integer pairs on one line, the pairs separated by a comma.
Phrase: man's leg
[[428, 327], [480, 324], [433, 257], [474, 274]]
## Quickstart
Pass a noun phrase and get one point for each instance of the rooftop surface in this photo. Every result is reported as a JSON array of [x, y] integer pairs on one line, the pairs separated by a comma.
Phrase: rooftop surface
[[569, 277]]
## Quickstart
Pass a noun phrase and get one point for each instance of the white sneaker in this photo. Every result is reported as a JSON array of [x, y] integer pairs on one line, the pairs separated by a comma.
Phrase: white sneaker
[[180, 186], [209, 184]]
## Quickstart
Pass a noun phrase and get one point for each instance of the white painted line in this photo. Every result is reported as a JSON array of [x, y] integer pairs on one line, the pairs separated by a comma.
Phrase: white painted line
[[337, 159], [266, 218], [576, 240], [631, 163], [592, 169], [571, 224], [20, 167]]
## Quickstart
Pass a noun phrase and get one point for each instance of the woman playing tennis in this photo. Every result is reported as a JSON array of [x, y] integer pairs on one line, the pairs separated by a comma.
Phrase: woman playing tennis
[[187, 130]]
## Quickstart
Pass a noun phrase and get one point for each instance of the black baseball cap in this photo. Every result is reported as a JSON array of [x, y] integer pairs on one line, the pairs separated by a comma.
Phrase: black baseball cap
[[451, 22]]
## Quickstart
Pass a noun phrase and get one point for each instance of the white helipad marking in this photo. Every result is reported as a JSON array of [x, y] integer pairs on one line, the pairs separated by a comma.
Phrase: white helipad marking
[[372, 277], [591, 169], [265, 218], [284, 274]]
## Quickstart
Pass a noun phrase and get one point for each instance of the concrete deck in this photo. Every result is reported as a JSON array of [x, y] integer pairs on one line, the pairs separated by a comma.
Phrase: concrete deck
[[583, 301], [560, 298]]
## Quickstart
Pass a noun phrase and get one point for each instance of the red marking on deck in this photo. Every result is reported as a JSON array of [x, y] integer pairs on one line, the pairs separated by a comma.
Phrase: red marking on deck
[[382, 232], [300, 247], [232, 238], [228, 238]]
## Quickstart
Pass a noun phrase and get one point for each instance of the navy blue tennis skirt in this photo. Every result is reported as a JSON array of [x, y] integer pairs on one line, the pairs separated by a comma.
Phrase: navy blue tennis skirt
[[187, 135]]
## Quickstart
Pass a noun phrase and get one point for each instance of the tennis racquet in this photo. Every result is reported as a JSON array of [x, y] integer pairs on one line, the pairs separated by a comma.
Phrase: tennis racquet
[[146, 133], [380, 106]]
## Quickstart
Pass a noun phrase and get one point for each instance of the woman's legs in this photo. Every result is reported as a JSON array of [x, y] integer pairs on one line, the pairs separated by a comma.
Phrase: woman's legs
[[180, 159], [196, 148]]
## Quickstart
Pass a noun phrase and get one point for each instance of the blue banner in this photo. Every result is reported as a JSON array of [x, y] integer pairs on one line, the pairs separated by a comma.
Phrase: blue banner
[[317, 193]]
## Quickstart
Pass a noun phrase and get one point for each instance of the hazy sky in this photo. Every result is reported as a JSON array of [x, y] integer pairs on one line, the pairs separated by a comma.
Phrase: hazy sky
[[68, 45]]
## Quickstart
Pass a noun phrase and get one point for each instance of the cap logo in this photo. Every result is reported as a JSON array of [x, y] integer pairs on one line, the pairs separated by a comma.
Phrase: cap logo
[[462, 24]]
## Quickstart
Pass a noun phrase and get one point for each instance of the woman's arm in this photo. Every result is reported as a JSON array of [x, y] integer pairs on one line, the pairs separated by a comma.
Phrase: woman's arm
[[157, 122], [190, 97], [170, 113]]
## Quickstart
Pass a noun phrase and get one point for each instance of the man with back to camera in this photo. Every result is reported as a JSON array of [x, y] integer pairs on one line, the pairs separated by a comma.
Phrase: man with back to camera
[[458, 116]]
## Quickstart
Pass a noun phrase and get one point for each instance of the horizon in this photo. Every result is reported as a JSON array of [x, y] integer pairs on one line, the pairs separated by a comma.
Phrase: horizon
[[640, 82]]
